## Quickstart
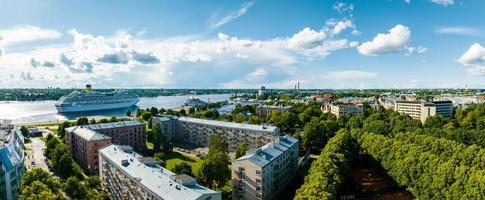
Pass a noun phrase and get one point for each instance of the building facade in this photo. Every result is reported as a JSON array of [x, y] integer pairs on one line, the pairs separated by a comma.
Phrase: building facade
[[265, 172], [131, 133], [422, 110], [265, 110], [125, 174], [83, 145], [12, 158], [341, 109], [197, 132]]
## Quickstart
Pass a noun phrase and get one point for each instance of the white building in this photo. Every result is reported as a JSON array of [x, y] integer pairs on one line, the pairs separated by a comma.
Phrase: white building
[[11, 161], [127, 175], [266, 171], [423, 110], [341, 109]]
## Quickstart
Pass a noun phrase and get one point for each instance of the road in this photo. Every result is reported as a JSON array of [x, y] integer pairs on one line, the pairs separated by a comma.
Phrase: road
[[36, 154]]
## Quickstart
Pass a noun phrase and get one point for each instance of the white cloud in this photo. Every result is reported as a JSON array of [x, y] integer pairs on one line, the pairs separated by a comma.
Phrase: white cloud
[[342, 25], [350, 74], [307, 39], [474, 58], [232, 16], [26, 33], [443, 2], [458, 30], [396, 40], [343, 7]]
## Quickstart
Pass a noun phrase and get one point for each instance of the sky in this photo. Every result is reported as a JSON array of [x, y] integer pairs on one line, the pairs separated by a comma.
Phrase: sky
[[359, 44]]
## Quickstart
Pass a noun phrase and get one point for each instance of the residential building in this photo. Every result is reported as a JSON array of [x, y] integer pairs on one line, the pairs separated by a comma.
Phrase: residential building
[[197, 132], [265, 110], [262, 91], [131, 133], [423, 110], [11, 160], [125, 174], [83, 145], [341, 109], [265, 172]]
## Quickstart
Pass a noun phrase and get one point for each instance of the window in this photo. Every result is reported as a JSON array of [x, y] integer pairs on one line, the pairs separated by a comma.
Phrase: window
[[258, 188], [258, 181], [258, 173], [241, 169]]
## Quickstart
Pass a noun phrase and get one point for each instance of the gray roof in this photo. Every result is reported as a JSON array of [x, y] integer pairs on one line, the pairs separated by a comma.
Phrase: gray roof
[[113, 125], [155, 178], [87, 134], [269, 152], [264, 128]]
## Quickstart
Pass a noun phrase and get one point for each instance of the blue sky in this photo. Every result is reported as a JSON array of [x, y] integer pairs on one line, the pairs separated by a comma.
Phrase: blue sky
[[243, 44]]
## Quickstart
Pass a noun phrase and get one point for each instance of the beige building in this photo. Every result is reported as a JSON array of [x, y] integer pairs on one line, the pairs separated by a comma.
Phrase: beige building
[[131, 133], [341, 109], [263, 173], [125, 174], [83, 145], [197, 132], [422, 110]]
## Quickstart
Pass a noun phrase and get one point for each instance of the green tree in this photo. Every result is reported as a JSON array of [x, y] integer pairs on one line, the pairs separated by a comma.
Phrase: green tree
[[92, 121], [315, 135], [24, 131], [146, 116], [128, 113], [114, 119], [241, 150], [38, 190], [157, 137], [183, 168], [61, 129], [214, 171], [75, 188], [39, 184], [82, 121], [103, 121], [153, 111], [436, 121], [283, 119]]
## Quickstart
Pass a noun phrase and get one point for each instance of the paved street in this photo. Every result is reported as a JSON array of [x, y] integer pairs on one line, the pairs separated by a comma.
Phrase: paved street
[[36, 154]]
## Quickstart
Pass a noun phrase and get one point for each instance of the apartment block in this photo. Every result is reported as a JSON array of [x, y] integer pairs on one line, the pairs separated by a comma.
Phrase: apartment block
[[125, 174], [263, 173], [341, 109], [11, 160], [423, 110], [131, 133], [83, 145], [197, 132], [265, 110]]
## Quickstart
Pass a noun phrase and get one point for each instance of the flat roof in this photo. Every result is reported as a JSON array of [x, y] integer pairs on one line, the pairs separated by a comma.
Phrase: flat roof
[[155, 178], [87, 134], [269, 152], [113, 125], [264, 128]]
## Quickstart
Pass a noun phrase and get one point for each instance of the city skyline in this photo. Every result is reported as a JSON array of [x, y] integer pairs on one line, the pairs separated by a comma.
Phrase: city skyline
[[243, 44]]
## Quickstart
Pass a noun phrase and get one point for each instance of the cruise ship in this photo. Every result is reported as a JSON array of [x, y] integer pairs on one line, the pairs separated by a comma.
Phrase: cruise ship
[[81, 101]]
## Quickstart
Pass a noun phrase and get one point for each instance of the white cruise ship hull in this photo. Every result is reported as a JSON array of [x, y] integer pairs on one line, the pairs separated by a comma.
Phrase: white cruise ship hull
[[94, 107]]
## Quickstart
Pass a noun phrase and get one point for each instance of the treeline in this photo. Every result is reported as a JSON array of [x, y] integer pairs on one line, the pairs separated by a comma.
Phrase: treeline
[[328, 172], [428, 170]]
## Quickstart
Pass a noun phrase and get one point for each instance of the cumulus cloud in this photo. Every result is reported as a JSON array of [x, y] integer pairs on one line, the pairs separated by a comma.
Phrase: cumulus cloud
[[474, 59], [119, 57], [232, 16], [307, 39], [458, 30], [351, 74], [145, 58], [443, 2], [26, 33], [36, 63], [397, 39]]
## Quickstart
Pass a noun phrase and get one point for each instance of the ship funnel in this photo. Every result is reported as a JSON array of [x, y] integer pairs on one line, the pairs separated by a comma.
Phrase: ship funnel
[[88, 87]]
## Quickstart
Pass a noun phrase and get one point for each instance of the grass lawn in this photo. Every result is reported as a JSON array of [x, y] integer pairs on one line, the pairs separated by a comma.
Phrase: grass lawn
[[174, 158]]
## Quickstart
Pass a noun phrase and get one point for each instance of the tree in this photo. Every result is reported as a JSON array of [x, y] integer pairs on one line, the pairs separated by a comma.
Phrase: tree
[[241, 150], [92, 121], [37, 190], [436, 121], [61, 129], [39, 184], [183, 168], [283, 119], [159, 158], [104, 120], [75, 189], [214, 171], [24, 131], [128, 113], [114, 119], [82, 121], [153, 111], [315, 135], [157, 137], [146, 116]]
